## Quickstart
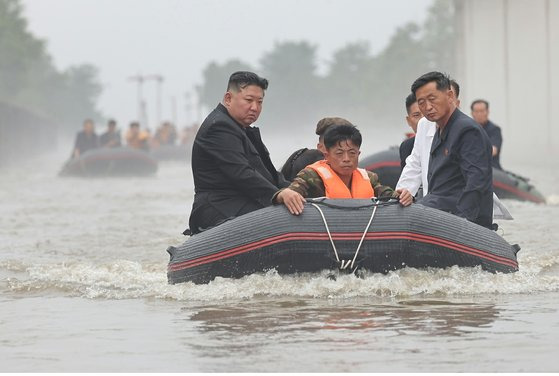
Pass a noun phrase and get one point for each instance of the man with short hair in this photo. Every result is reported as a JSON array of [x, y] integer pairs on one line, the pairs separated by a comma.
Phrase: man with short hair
[[337, 176], [86, 139], [111, 138], [414, 172], [233, 173], [412, 118], [480, 113], [460, 172], [304, 157]]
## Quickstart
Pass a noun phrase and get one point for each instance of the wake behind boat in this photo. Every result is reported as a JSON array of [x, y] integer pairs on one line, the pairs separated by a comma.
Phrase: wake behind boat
[[339, 234]]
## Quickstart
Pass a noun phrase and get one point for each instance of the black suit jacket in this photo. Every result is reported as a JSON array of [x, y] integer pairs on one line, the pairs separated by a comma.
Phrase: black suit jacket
[[460, 174], [494, 133], [233, 173], [406, 148]]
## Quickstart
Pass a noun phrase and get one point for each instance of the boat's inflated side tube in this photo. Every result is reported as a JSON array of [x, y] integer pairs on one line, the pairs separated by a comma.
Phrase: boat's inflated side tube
[[397, 237]]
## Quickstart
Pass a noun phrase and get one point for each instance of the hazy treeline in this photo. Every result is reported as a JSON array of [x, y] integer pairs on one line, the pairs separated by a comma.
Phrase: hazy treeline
[[366, 88], [29, 79]]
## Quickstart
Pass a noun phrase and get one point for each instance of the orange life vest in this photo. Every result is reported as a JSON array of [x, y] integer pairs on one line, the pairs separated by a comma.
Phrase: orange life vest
[[336, 188]]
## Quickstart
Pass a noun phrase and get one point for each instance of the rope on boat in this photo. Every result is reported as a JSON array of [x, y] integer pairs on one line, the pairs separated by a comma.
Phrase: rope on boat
[[383, 201], [364, 233], [345, 263], [328, 231]]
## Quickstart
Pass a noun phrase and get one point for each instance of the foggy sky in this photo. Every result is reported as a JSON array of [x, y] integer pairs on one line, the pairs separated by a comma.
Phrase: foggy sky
[[178, 38]]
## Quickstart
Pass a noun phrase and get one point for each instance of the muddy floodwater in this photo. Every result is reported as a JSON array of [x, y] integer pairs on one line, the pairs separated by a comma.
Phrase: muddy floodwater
[[84, 288]]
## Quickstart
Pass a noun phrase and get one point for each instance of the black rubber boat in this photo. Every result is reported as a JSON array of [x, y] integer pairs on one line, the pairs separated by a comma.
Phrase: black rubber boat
[[505, 183], [121, 161], [349, 235]]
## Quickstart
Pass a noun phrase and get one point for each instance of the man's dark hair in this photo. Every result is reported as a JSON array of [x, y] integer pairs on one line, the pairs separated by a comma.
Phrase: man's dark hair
[[456, 87], [134, 124], [410, 99], [240, 80], [442, 80], [338, 133], [111, 122], [480, 101]]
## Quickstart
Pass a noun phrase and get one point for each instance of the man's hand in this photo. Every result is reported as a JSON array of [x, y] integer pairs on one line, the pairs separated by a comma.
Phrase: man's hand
[[406, 198], [292, 200]]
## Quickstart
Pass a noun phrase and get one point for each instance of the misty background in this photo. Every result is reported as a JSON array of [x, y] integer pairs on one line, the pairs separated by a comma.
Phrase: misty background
[[62, 61]]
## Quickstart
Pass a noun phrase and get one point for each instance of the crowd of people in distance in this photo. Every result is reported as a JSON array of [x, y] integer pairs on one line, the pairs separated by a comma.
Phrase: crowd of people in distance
[[135, 137]]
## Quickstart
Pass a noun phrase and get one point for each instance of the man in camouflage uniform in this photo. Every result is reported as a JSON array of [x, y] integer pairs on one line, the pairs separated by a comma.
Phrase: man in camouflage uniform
[[309, 184], [337, 176], [303, 157]]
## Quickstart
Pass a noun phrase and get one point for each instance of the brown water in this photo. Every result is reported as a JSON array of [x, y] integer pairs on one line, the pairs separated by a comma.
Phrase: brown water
[[83, 288]]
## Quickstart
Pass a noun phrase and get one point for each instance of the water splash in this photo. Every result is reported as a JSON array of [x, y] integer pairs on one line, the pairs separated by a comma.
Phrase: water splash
[[553, 200], [124, 279]]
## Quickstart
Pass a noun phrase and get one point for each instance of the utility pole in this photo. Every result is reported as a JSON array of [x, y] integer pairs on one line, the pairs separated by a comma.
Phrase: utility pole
[[142, 114], [174, 110], [159, 81], [188, 107]]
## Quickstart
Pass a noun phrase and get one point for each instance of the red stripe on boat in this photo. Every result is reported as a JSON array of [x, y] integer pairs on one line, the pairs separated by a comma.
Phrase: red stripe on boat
[[518, 192], [343, 236], [376, 166]]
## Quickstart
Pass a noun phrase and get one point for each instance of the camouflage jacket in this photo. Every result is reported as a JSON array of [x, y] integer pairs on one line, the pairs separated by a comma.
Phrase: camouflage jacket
[[309, 184]]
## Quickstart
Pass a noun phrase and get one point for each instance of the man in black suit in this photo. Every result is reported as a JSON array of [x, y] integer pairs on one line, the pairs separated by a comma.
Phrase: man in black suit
[[480, 113], [233, 173], [460, 173]]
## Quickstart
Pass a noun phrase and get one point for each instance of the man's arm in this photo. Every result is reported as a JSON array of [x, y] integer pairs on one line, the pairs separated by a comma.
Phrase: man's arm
[[293, 197], [475, 164], [224, 145], [381, 191], [496, 140]]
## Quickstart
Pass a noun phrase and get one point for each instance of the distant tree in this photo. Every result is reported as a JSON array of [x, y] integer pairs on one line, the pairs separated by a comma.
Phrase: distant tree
[[347, 85], [79, 93], [292, 97], [29, 79], [393, 71], [367, 89], [439, 36], [412, 51], [20, 52], [215, 78]]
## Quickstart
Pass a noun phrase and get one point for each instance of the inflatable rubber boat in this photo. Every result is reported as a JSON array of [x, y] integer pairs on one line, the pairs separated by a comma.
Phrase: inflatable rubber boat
[[347, 235], [386, 164], [121, 161]]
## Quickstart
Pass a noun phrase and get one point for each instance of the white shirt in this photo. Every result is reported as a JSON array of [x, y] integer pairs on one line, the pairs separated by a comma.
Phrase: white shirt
[[414, 173]]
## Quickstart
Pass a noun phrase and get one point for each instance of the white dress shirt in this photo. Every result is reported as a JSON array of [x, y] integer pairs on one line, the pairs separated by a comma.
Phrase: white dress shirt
[[414, 173]]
